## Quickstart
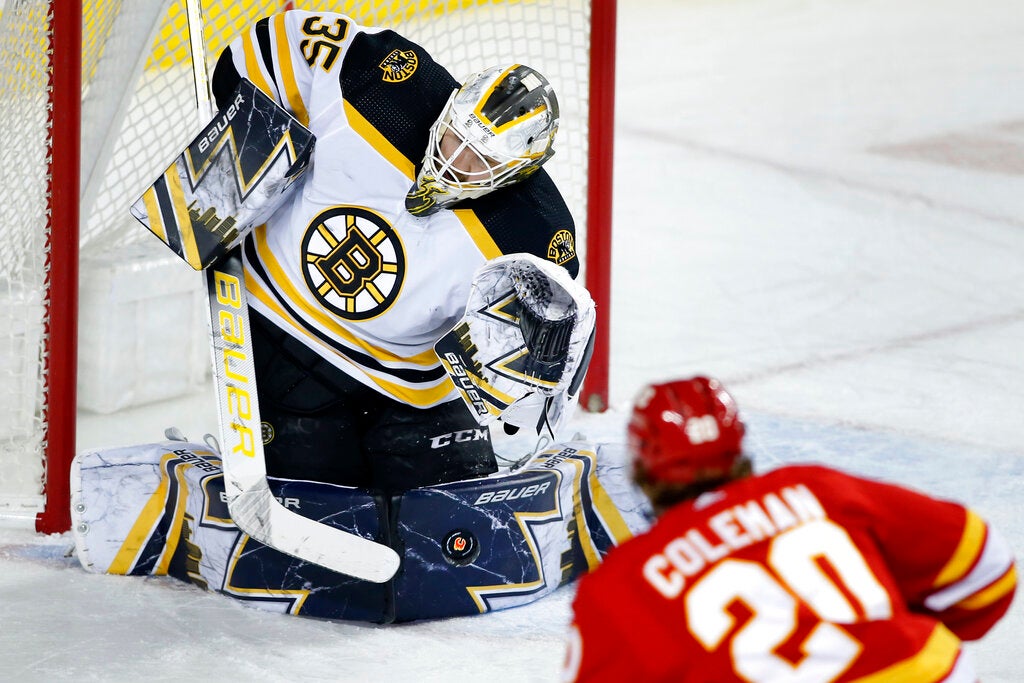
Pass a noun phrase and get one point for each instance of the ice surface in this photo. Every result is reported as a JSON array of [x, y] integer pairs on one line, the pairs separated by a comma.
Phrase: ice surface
[[821, 203]]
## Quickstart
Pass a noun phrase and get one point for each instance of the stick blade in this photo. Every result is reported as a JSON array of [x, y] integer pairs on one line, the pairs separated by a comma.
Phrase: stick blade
[[257, 513]]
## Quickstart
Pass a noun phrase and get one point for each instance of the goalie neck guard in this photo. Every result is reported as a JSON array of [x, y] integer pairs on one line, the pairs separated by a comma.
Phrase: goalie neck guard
[[495, 130]]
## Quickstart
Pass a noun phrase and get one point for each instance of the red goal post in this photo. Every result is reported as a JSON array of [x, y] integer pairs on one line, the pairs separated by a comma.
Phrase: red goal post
[[95, 101]]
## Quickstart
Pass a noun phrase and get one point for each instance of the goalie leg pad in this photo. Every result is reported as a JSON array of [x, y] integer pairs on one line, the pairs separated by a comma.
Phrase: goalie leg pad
[[161, 509], [511, 539], [118, 503], [468, 547]]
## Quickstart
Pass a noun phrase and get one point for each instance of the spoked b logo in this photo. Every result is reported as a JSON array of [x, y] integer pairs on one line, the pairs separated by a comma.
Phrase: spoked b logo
[[353, 262]]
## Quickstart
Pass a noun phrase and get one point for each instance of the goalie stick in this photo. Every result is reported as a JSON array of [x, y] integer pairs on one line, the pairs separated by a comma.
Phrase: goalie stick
[[252, 505]]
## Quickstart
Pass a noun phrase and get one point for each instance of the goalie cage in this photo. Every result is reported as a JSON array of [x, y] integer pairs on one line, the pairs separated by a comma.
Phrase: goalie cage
[[95, 96]]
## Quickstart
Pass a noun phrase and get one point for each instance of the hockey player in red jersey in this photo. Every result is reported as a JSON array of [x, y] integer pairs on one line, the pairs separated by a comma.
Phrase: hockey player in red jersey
[[803, 573]]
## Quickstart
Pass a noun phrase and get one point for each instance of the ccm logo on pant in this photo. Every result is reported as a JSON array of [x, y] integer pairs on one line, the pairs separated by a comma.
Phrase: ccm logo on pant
[[461, 436]]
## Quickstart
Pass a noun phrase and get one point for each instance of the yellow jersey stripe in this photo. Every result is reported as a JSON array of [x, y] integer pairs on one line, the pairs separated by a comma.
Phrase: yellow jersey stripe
[[967, 551], [284, 64], [995, 591], [426, 358], [380, 143], [478, 233], [932, 663], [417, 396], [254, 66]]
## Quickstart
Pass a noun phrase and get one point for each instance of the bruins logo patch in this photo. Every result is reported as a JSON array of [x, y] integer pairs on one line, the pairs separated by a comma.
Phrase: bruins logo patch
[[353, 262], [562, 247], [399, 65]]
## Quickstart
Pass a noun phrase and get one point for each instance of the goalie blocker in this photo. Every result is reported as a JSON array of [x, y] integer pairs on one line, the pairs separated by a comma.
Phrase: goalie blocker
[[469, 547], [230, 178]]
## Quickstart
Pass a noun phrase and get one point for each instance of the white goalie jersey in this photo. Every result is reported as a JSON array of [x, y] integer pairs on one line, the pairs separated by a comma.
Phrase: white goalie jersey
[[342, 265]]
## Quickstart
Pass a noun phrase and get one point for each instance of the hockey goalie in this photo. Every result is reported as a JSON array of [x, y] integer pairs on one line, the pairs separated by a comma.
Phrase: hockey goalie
[[390, 274], [466, 547]]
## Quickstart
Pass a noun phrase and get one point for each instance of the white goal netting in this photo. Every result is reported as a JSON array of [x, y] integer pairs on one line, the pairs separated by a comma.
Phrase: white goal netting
[[138, 108]]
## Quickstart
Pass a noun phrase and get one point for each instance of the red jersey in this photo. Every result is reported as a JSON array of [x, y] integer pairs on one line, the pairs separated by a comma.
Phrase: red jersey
[[801, 574]]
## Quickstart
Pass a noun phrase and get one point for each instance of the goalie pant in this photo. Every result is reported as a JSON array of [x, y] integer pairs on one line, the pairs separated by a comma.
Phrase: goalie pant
[[467, 547]]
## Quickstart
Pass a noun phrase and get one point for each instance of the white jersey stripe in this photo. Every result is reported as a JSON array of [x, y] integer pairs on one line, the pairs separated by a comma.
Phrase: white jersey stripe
[[253, 67], [286, 72], [996, 558]]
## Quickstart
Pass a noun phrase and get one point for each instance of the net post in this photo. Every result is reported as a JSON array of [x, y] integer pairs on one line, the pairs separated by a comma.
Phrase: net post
[[599, 195], [61, 328]]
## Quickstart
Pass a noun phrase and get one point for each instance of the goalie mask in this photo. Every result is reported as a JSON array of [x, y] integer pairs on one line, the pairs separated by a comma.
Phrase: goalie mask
[[495, 130]]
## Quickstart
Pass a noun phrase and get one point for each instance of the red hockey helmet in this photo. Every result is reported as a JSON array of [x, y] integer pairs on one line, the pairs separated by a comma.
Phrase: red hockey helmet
[[685, 431]]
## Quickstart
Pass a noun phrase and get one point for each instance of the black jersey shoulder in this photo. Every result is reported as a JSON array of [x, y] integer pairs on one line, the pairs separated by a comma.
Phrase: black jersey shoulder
[[226, 77], [397, 87], [531, 217]]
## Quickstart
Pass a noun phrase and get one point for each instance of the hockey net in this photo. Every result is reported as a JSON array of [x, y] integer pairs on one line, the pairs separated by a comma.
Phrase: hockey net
[[136, 107]]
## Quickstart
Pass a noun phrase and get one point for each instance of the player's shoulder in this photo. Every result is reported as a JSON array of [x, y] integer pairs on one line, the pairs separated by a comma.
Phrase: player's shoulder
[[820, 480], [807, 474], [306, 28], [396, 87], [333, 26], [796, 470], [842, 495], [530, 217], [391, 61]]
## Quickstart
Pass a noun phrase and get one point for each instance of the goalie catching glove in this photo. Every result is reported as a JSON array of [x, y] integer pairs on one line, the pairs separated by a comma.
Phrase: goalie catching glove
[[520, 352]]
